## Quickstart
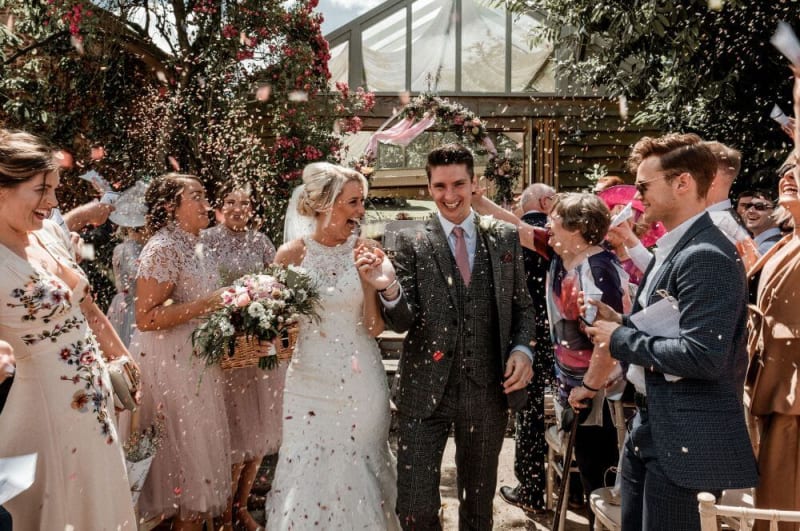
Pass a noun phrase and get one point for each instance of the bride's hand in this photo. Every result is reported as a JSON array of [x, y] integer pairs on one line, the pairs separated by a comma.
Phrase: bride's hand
[[374, 268]]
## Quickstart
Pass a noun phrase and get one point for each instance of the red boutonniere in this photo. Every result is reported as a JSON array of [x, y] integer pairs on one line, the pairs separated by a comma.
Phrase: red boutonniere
[[507, 258], [438, 355]]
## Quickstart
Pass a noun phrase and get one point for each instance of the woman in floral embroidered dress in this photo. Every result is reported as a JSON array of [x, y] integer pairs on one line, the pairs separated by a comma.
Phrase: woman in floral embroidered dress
[[60, 403], [253, 396], [190, 475]]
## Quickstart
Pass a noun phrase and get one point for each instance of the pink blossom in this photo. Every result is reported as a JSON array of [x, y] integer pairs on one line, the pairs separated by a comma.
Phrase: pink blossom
[[242, 299]]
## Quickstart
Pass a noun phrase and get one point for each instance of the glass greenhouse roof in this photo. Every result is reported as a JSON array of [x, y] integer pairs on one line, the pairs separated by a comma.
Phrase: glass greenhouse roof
[[449, 46]]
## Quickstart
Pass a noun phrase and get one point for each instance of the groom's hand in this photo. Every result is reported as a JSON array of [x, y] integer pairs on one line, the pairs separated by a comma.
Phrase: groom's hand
[[519, 372]]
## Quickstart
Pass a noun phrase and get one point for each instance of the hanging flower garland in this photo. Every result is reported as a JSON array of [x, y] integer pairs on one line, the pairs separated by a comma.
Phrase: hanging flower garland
[[435, 110], [503, 171]]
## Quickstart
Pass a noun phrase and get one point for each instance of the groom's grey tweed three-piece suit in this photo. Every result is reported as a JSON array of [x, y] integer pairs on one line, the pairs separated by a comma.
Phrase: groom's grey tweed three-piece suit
[[454, 355]]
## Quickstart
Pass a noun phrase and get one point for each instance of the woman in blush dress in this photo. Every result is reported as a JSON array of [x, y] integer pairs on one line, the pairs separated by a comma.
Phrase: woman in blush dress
[[189, 478], [59, 405], [335, 469], [253, 396]]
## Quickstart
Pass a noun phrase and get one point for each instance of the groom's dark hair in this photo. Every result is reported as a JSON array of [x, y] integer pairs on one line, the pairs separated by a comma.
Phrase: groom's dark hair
[[449, 154]]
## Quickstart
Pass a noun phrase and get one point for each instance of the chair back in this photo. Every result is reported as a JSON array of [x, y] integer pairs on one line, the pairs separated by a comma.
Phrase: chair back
[[739, 517]]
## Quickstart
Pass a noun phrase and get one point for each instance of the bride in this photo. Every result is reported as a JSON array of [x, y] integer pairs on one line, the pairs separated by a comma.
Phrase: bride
[[335, 469]]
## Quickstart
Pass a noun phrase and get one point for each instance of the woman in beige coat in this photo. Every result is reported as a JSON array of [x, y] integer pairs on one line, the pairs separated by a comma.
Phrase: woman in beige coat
[[773, 377]]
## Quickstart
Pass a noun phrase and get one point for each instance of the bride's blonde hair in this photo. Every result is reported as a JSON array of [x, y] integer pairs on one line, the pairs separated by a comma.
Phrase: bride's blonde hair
[[323, 183]]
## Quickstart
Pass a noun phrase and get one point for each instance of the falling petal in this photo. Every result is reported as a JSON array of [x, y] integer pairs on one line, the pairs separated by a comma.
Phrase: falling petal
[[263, 93], [77, 43], [623, 107]]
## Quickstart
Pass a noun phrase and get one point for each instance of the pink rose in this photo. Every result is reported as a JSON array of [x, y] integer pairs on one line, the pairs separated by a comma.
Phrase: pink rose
[[242, 299]]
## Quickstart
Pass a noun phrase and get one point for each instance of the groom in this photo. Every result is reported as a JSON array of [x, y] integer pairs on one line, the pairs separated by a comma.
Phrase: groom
[[463, 299]]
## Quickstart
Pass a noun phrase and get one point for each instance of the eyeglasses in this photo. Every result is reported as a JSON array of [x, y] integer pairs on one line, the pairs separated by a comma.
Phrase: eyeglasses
[[758, 206]]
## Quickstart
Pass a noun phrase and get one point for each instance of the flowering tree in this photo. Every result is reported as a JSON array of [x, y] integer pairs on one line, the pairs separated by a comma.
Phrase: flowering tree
[[226, 89]]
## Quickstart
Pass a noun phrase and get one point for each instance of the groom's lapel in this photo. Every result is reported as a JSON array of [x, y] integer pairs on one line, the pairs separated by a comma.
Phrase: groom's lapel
[[442, 255]]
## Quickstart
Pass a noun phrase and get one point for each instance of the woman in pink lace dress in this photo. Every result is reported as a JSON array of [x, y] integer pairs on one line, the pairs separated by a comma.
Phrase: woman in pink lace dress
[[189, 477], [253, 397]]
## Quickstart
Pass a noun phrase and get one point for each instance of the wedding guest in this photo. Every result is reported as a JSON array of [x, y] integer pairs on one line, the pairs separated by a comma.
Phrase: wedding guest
[[689, 434], [741, 200], [578, 225], [775, 354], [530, 448], [190, 476], [253, 396], [760, 219], [60, 405], [130, 218]]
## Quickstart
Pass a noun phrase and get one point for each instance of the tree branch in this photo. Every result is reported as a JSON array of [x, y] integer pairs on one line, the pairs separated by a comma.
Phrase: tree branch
[[35, 45]]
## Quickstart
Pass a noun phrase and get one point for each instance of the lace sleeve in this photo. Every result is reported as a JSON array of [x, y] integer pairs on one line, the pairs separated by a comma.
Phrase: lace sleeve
[[160, 260], [269, 249]]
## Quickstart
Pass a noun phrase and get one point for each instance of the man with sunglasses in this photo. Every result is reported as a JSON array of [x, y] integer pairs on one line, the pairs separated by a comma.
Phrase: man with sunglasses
[[759, 218], [689, 434]]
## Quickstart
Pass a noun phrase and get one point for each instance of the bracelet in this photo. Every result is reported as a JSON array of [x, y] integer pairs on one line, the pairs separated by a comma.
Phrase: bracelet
[[392, 284], [590, 388]]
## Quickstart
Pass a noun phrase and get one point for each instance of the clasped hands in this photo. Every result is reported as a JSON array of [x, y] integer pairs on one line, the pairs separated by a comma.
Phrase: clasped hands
[[373, 266]]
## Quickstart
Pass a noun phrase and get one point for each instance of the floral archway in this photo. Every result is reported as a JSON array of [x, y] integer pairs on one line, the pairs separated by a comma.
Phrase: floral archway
[[426, 111]]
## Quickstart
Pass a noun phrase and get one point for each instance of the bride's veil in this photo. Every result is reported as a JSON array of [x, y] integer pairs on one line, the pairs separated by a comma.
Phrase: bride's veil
[[296, 225]]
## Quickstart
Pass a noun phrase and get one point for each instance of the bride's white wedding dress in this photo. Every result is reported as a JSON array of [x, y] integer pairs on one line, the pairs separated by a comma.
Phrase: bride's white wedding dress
[[335, 469]]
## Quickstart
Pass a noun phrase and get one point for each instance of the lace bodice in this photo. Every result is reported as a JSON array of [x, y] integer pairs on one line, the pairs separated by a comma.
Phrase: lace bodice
[[340, 286], [125, 262], [235, 254], [173, 255]]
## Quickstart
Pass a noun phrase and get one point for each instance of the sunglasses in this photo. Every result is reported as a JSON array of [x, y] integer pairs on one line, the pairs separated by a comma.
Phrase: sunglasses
[[758, 206], [642, 186]]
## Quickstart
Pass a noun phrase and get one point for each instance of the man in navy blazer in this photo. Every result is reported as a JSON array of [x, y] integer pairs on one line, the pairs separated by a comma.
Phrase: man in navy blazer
[[689, 434]]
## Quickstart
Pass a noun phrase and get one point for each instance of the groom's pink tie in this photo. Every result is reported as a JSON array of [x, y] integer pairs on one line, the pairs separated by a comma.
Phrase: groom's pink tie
[[462, 260]]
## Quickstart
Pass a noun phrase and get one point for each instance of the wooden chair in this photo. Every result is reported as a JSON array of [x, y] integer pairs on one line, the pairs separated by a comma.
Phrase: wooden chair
[[739, 517], [604, 502], [607, 512]]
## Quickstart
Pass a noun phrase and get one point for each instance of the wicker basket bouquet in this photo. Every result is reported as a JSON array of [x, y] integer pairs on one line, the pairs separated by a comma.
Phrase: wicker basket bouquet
[[259, 320]]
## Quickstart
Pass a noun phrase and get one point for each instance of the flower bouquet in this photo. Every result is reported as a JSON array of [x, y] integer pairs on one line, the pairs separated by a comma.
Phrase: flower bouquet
[[258, 309], [140, 449]]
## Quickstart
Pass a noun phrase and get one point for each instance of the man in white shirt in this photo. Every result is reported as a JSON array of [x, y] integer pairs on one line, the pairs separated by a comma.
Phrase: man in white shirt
[[690, 435]]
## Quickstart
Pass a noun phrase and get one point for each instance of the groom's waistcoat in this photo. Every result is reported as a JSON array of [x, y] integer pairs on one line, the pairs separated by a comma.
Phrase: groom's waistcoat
[[476, 354]]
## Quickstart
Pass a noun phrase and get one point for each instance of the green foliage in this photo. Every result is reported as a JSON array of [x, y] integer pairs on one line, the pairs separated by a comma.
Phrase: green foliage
[[226, 89], [694, 68]]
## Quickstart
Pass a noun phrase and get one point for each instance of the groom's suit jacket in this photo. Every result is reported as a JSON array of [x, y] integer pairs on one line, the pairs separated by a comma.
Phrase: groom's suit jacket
[[698, 421], [426, 309]]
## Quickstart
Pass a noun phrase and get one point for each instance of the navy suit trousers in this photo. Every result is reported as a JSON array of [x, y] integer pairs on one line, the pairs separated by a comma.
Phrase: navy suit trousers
[[650, 501]]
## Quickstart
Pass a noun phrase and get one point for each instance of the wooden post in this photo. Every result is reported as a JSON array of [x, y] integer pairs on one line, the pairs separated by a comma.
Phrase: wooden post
[[708, 513]]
